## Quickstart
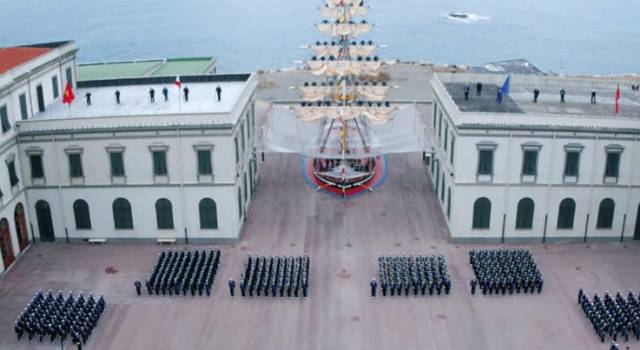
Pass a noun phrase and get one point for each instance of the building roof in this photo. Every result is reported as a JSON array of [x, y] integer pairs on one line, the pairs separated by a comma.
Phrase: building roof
[[520, 99], [518, 111], [146, 68], [136, 110], [12, 57]]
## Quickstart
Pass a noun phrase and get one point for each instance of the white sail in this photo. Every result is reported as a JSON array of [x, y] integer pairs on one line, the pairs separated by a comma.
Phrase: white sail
[[377, 115], [316, 93], [373, 93], [364, 92], [346, 3], [334, 50], [342, 29], [341, 68], [335, 12]]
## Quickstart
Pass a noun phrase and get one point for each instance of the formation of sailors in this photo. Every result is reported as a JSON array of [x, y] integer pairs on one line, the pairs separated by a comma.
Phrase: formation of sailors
[[615, 317], [275, 276], [182, 272], [499, 271], [49, 316], [402, 274]]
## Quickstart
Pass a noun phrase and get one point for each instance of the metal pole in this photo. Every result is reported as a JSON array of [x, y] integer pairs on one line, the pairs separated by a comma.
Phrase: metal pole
[[586, 227], [544, 232], [624, 222], [504, 219]]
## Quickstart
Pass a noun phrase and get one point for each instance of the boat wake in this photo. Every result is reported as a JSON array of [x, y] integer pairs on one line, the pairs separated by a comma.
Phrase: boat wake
[[464, 17]]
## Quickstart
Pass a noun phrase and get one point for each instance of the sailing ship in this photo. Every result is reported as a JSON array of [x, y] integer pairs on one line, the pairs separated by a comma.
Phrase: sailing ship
[[347, 97]]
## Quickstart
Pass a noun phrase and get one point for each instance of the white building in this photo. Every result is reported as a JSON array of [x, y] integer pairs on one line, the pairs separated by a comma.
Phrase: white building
[[173, 169], [31, 78], [544, 171]]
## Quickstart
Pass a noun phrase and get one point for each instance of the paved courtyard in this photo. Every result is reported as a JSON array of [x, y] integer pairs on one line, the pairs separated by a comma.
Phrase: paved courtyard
[[343, 239]]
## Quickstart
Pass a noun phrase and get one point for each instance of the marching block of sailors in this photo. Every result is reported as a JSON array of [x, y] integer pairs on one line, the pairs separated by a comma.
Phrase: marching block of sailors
[[182, 272], [502, 271], [616, 317], [275, 276], [56, 316], [412, 275]]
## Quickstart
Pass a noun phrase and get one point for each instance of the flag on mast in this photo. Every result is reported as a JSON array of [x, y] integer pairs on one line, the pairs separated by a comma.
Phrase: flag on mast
[[618, 99], [68, 96], [178, 82]]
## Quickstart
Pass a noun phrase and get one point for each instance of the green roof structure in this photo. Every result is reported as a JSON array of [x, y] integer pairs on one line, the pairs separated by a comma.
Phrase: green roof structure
[[147, 68]]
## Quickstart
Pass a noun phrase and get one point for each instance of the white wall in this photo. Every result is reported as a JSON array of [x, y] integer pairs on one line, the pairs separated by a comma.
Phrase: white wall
[[184, 188]]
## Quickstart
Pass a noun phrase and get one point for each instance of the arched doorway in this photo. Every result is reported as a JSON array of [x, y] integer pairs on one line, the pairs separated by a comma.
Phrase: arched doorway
[[21, 227], [5, 244], [636, 233], [45, 224]]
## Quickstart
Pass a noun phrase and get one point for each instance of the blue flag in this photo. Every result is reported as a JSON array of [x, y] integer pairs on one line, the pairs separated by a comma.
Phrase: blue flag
[[506, 86]]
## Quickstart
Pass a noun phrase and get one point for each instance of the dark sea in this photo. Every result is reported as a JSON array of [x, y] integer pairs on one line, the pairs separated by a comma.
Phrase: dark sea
[[577, 36]]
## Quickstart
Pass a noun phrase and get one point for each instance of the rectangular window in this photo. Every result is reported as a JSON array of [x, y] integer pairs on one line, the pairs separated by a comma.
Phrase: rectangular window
[[117, 163], [4, 119], [40, 95], [613, 164], [204, 162], [442, 190], [244, 188], [235, 140], [530, 163], [485, 162], [440, 125], [37, 170], [446, 137], [449, 203], [572, 163], [453, 144], [75, 165], [159, 163], [435, 110], [24, 112], [242, 141], [13, 177], [437, 178], [69, 76], [55, 87]]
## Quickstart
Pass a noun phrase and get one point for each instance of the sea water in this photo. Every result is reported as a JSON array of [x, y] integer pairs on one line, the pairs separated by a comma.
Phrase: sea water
[[577, 36]]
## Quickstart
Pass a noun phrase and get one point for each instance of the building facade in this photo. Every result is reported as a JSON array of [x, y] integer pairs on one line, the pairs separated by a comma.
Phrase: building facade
[[543, 171], [180, 166], [31, 78]]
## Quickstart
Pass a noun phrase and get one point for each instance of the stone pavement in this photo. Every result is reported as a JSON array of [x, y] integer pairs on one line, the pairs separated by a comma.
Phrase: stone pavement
[[343, 239]]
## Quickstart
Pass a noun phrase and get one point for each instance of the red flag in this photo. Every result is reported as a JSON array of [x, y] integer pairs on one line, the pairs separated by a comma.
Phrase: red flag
[[618, 99], [68, 95], [178, 82]]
